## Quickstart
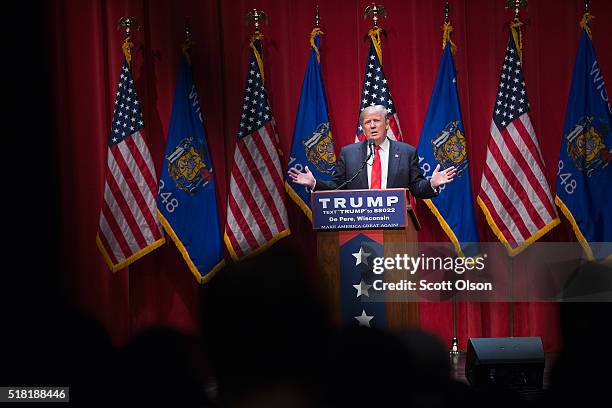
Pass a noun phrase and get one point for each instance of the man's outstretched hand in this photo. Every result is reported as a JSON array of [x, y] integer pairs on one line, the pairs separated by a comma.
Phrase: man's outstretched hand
[[439, 178], [303, 178]]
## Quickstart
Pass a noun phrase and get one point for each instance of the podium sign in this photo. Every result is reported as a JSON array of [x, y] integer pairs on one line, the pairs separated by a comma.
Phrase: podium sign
[[358, 209], [353, 227]]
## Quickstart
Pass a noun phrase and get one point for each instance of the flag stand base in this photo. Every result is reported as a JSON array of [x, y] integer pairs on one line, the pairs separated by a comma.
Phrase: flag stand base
[[454, 351]]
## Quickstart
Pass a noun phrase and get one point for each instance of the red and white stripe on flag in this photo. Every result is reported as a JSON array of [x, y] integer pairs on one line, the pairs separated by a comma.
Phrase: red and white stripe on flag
[[129, 228], [256, 212], [514, 193], [128, 225]]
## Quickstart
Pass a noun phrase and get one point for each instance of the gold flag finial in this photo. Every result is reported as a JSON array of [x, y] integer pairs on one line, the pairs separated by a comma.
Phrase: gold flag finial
[[187, 31], [446, 30], [585, 22], [446, 13], [316, 31], [516, 24], [188, 42], [256, 17], [128, 23], [376, 32], [517, 5], [374, 10]]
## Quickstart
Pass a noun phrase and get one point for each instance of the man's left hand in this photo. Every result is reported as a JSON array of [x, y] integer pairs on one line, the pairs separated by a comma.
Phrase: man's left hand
[[442, 177]]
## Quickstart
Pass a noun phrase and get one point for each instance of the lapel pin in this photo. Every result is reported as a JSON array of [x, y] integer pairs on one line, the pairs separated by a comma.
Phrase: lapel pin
[[396, 155]]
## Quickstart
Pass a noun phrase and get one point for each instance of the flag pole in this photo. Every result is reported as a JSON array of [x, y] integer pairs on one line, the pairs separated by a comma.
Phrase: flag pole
[[128, 23], [514, 25], [511, 290], [454, 351]]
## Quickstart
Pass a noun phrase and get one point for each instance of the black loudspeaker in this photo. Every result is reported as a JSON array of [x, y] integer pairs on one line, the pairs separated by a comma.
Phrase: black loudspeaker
[[509, 362]]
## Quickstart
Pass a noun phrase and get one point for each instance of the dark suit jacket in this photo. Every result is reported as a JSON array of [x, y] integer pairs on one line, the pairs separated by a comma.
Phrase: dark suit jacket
[[404, 170]]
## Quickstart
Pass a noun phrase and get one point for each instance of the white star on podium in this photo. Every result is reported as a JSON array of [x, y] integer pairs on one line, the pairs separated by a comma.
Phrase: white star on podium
[[361, 257], [362, 288], [364, 319]]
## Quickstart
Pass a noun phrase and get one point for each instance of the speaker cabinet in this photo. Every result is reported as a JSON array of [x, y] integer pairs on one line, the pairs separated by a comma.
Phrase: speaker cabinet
[[509, 362]]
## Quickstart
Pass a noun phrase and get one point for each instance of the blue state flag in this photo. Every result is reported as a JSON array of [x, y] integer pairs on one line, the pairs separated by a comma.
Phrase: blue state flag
[[584, 172], [186, 200], [443, 142], [312, 144]]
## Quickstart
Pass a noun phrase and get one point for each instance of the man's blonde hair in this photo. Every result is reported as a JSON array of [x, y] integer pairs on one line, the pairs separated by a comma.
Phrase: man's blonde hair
[[371, 109]]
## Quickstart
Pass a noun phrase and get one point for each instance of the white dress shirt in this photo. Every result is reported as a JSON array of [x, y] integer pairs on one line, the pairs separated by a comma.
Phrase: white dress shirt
[[384, 164]]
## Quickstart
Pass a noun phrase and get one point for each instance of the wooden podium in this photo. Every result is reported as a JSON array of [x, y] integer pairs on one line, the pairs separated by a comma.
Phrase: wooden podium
[[400, 314]]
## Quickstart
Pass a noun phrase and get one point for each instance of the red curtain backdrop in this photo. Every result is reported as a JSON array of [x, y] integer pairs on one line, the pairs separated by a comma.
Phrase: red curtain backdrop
[[85, 50]]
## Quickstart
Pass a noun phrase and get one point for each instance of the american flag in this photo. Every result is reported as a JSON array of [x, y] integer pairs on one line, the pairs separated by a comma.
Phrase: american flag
[[128, 227], [514, 193], [256, 213], [376, 91]]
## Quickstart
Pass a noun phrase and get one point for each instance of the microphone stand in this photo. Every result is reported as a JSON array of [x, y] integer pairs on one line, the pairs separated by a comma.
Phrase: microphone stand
[[370, 154]]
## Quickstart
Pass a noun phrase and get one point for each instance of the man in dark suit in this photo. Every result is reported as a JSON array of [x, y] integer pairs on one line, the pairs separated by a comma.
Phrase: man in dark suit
[[392, 164]]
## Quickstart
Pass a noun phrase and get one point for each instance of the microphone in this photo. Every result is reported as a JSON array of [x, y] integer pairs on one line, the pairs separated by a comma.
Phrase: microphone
[[370, 154], [370, 148]]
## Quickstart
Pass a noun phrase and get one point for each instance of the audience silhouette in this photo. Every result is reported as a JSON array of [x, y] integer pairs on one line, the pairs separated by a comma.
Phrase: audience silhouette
[[266, 341]]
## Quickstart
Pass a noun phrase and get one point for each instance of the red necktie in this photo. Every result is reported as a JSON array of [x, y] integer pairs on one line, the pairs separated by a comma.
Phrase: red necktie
[[376, 176]]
